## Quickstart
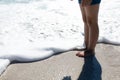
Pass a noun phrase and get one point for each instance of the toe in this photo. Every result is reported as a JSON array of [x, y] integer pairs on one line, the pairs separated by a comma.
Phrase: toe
[[80, 54]]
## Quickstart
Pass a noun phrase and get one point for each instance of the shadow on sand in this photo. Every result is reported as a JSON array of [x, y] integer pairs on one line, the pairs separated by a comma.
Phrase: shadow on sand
[[91, 69], [67, 78]]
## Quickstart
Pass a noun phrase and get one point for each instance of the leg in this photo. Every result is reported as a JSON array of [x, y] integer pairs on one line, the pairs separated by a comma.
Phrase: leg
[[92, 21], [91, 30], [86, 28], [86, 31]]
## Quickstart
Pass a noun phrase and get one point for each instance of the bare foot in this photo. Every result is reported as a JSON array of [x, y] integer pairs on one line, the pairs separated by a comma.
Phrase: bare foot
[[80, 53], [85, 53]]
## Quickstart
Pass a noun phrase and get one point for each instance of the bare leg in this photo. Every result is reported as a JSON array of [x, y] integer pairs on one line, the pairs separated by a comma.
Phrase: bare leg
[[86, 27], [86, 31], [90, 19]]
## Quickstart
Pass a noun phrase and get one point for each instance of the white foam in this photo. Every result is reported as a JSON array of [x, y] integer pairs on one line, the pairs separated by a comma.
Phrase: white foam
[[3, 64], [37, 29]]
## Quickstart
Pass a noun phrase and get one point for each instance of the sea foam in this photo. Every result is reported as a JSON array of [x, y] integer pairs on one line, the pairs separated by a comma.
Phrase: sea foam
[[34, 30]]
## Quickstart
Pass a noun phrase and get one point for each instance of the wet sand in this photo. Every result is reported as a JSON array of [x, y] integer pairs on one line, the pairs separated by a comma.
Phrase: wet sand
[[104, 66]]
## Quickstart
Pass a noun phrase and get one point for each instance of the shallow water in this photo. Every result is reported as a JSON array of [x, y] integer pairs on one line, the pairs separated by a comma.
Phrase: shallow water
[[29, 28]]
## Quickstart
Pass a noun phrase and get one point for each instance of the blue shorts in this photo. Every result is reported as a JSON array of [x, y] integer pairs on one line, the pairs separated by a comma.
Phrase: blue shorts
[[93, 2]]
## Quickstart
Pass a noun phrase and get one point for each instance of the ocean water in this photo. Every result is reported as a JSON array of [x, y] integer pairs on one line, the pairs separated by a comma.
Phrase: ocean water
[[15, 1], [33, 30]]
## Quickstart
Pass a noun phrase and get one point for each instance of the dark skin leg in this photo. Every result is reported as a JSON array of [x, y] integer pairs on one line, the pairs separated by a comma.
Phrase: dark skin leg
[[90, 19]]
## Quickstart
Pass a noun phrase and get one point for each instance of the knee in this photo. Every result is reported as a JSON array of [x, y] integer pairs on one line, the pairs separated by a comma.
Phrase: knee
[[85, 20], [92, 22]]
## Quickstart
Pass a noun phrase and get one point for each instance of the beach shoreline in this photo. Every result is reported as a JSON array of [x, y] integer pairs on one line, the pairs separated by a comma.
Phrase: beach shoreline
[[66, 66]]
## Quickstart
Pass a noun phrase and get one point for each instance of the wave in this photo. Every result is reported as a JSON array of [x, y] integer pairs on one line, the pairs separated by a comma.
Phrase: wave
[[40, 30]]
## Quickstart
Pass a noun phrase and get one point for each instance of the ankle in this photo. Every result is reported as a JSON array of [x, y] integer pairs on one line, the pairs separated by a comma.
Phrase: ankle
[[90, 51]]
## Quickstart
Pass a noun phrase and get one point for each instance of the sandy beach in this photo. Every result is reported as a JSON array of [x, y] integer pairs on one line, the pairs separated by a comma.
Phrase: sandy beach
[[26, 24], [67, 66]]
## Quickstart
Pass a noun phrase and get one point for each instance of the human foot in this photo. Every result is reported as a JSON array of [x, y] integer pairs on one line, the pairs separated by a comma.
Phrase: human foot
[[85, 53], [80, 53]]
